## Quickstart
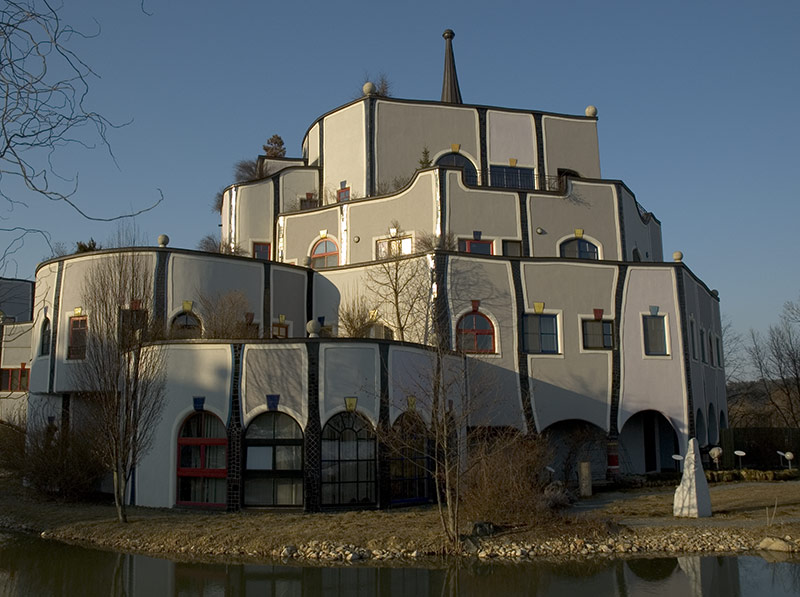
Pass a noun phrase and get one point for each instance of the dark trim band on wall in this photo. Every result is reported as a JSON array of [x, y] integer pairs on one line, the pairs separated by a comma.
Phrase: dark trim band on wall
[[235, 434], [441, 309], [687, 361], [616, 354], [312, 482], [267, 306], [160, 289], [623, 247], [320, 161], [484, 153], [309, 300], [54, 325], [522, 357], [384, 453]]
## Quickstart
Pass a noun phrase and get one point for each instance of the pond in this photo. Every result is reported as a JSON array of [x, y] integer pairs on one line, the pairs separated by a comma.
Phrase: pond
[[32, 566]]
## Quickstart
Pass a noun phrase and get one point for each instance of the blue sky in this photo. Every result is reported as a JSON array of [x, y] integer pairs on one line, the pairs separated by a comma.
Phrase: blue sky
[[696, 105]]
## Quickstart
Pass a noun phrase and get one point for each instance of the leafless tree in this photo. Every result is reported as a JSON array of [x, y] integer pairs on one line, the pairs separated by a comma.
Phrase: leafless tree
[[44, 86], [356, 318], [226, 315], [121, 376], [776, 360], [401, 287], [210, 243]]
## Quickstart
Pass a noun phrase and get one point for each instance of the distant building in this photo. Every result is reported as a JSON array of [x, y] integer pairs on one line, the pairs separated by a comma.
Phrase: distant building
[[548, 277]]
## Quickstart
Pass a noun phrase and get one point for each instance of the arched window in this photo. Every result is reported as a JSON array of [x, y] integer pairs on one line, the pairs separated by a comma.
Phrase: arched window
[[700, 428], [186, 325], [324, 254], [348, 460], [460, 161], [202, 461], [475, 334], [44, 342], [409, 464], [273, 461], [577, 248]]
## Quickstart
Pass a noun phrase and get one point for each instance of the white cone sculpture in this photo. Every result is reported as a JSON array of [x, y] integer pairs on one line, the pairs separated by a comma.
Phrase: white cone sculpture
[[692, 499]]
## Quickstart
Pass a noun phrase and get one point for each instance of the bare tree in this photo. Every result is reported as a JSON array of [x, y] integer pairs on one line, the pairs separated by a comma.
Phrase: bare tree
[[356, 318], [44, 87], [122, 378], [226, 315], [401, 285], [776, 360]]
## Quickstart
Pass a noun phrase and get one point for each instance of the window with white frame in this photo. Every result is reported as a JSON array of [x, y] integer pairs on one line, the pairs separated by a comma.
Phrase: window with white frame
[[654, 328], [540, 333], [386, 248]]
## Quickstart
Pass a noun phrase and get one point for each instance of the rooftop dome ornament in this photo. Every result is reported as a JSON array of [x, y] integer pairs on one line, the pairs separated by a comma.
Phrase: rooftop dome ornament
[[450, 91]]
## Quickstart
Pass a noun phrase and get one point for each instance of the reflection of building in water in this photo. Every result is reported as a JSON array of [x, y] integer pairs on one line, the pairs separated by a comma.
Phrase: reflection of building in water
[[528, 265], [693, 576]]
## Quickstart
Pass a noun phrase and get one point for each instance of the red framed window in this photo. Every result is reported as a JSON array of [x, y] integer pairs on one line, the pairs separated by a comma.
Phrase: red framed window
[[14, 380], [343, 194], [202, 461], [324, 254], [78, 327], [261, 250], [475, 333], [479, 247]]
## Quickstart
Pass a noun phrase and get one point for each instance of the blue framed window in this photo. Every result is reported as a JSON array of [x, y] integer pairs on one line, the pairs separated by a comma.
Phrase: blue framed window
[[512, 177], [577, 248], [540, 334]]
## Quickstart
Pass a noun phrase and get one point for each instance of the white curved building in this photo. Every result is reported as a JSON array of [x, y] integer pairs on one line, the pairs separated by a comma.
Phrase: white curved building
[[548, 277]]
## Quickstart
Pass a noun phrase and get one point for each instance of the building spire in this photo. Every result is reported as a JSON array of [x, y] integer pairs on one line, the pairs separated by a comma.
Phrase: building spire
[[450, 91]]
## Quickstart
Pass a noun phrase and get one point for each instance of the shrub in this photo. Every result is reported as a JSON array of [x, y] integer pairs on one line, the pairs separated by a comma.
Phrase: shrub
[[506, 480], [63, 465]]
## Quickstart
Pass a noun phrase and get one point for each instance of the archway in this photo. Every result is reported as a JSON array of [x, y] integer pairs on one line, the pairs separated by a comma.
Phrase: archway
[[574, 441], [460, 161], [273, 461], [700, 428], [409, 462], [348, 461], [646, 444], [713, 434]]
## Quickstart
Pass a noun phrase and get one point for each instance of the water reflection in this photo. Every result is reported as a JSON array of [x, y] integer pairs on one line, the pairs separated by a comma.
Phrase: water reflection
[[30, 566]]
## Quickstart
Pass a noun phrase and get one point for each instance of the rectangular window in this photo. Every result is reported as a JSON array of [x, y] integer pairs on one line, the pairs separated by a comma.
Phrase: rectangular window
[[512, 177], [131, 323], [703, 346], [386, 248], [280, 330], [540, 334], [77, 337], [261, 250], [479, 247], [14, 380], [694, 342], [719, 354], [655, 335], [512, 248], [598, 335], [343, 194]]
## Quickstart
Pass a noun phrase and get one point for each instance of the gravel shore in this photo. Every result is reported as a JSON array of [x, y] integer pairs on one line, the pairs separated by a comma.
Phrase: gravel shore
[[627, 524]]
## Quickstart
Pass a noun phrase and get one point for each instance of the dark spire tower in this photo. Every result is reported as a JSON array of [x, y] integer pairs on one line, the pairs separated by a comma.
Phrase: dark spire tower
[[450, 91]]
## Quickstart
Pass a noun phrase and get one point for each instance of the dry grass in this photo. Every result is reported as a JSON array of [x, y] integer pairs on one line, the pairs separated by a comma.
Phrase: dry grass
[[255, 534], [733, 501]]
